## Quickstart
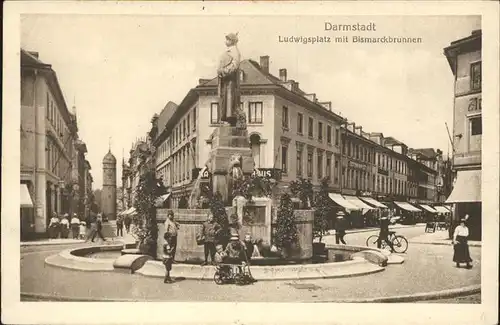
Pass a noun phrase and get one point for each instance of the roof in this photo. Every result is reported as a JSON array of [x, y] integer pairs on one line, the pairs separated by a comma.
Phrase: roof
[[109, 158], [425, 153], [255, 75], [30, 60], [470, 43], [165, 115], [392, 141]]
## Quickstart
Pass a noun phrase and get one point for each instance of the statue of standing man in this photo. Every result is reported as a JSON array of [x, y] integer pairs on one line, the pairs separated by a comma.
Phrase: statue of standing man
[[228, 86]]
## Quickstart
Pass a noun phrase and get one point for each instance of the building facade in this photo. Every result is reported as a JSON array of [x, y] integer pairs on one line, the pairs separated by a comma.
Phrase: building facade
[[292, 135], [464, 58], [51, 152]]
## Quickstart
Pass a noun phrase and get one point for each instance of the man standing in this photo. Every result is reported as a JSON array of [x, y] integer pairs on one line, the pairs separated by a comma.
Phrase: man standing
[[340, 228], [98, 231], [171, 228], [228, 81], [209, 233]]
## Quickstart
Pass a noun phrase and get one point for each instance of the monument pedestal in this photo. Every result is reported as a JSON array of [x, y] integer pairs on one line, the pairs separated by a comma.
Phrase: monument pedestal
[[228, 142]]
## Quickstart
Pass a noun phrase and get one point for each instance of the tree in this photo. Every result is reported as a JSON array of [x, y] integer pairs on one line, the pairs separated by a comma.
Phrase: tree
[[148, 191], [322, 211], [286, 229], [303, 190]]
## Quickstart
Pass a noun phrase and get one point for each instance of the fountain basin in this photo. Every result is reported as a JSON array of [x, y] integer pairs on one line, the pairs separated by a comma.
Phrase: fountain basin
[[191, 221]]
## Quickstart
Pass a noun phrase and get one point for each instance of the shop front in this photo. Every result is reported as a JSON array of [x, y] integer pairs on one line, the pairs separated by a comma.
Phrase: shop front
[[466, 200]]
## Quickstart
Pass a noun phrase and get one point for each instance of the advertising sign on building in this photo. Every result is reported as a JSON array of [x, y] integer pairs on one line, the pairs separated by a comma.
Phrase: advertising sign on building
[[196, 172], [270, 173]]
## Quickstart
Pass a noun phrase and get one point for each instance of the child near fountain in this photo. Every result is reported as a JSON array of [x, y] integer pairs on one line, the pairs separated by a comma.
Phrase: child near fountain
[[168, 259]]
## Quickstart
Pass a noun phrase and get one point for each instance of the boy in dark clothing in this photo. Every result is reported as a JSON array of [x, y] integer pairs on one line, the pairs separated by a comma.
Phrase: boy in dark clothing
[[167, 258]]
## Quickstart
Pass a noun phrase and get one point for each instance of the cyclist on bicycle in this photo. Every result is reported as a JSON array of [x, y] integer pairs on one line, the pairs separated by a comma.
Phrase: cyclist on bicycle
[[384, 231]]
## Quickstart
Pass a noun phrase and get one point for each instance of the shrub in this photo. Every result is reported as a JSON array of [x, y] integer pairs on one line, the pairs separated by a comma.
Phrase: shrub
[[286, 229], [323, 209]]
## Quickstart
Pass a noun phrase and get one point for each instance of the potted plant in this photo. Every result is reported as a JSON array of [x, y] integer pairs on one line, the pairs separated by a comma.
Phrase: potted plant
[[285, 236], [323, 209]]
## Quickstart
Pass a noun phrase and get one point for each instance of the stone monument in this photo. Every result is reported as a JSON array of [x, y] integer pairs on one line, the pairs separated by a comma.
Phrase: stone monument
[[230, 156]]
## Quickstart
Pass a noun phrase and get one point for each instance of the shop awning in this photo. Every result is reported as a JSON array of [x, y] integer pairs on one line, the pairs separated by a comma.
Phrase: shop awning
[[441, 209], [406, 206], [159, 201], [357, 202], [467, 187], [428, 208], [373, 202], [337, 198], [26, 201]]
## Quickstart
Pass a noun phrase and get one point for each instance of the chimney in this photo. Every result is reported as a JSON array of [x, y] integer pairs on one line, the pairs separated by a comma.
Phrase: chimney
[[283, 75], [311, 97], [35, 54], [359, 130], [351, 126], [264, 63], [327, 105]]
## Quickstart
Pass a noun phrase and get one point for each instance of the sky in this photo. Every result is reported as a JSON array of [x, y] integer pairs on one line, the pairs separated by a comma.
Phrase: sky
[[120, 70]]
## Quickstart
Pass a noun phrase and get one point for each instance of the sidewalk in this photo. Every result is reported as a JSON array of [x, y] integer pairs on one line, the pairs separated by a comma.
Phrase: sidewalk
[[65, 241], [391, 227], [440, 237]]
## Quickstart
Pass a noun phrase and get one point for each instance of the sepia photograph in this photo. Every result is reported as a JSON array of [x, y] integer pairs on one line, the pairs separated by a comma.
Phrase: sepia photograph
[[245, 158]]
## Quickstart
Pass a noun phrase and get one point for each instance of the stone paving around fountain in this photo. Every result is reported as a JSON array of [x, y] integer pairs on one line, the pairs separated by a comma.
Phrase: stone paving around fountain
[[427, 273]]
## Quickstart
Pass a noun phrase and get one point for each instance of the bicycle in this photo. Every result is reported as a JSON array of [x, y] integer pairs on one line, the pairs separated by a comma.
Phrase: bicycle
[[399, 242]]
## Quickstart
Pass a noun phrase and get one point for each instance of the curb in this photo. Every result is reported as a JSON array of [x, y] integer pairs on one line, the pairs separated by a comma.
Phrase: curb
[[376, 229], [443, 243], [48, 243], [434, 295]]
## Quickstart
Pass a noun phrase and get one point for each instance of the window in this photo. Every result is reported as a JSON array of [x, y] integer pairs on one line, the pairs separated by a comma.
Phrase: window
[[476, 127], [284, 117], [309, 164], [184, 133], [194, 119], [329, 134], [299, 162], [320, 166], [214, 113], [47, 109], [300, 120], [336, 137], [255, 112], [475, 75], [320, 131], [310, 127], [188, 120], [284, 160], [329, 167]]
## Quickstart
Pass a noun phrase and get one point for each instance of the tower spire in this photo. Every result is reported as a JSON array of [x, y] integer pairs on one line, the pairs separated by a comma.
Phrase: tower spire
[[109, 144]]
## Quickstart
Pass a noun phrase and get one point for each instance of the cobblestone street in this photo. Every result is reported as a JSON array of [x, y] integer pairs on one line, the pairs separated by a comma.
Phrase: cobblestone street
[[426, 268]]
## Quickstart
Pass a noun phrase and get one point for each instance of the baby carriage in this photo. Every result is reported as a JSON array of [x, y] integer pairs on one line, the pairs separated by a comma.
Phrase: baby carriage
[[232, 271]]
